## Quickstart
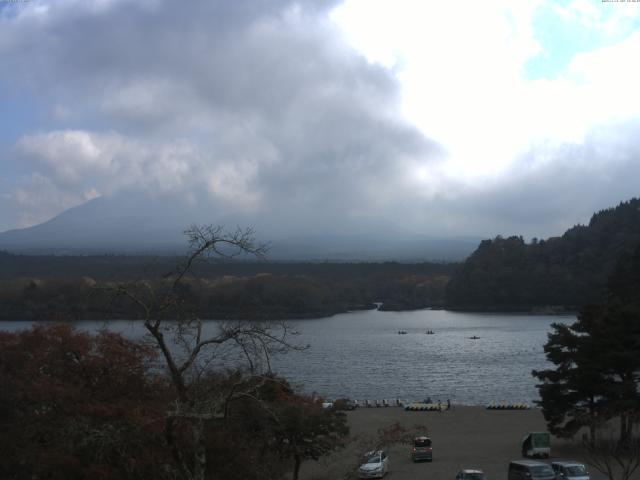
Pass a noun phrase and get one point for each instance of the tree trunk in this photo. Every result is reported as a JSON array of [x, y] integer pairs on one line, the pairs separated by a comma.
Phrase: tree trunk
[[624, 434], [296, 467], [199, 450], [175, 450], [593, 423], [592, 433], [629, 389]]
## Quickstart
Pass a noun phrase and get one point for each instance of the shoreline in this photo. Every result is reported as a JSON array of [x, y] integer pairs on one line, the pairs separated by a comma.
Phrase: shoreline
[[316, 315]]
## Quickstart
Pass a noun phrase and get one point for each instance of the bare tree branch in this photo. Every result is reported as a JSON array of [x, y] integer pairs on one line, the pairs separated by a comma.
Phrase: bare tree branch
[[615, 460], [200, 397]]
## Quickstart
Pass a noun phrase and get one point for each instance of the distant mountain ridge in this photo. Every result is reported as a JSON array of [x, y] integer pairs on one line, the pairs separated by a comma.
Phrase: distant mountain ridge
[[139, 224], [99, 225], [567, 271]]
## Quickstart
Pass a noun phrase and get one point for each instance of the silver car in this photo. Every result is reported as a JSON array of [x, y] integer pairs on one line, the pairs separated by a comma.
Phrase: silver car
[[469, 474], [569, 470], [375, 465]]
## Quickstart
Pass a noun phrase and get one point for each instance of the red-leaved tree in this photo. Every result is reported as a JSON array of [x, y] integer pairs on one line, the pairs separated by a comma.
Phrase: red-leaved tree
[[75, 405]]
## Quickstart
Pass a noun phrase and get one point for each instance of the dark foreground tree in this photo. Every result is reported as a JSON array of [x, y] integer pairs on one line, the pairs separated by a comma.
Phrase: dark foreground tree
[[304, 430], [615, 329], [191, 350], [264, 435], [597, 361], [572, 393], [75, 405]]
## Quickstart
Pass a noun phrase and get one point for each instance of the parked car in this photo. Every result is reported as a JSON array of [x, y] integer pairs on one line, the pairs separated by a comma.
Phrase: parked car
[[536, 444], [469, 474], [570, 470], [422, 449], [344, 404], [375, 465], [530, 470]]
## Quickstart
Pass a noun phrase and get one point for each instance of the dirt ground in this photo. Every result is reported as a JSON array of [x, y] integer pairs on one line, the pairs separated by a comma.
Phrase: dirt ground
[[463, 437]]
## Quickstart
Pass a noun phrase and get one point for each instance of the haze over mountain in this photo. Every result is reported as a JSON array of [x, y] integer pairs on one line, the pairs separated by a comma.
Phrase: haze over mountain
[[139, 223]]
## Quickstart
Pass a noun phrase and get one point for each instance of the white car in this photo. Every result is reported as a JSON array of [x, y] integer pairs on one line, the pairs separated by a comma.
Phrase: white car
[[375, 465]]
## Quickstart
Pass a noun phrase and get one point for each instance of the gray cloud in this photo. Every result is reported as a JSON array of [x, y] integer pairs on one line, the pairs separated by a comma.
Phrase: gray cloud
[[273, 111], [259, 111], [554, 186]]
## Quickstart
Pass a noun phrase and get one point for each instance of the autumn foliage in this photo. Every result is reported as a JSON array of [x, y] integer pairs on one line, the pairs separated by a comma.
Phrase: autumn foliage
[[75, 405]]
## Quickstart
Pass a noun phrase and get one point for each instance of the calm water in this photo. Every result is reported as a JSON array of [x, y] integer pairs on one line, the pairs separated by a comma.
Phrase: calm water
[[361, 355]]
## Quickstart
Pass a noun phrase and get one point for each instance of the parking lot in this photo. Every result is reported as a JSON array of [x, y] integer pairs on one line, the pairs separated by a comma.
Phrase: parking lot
[[464, 437]]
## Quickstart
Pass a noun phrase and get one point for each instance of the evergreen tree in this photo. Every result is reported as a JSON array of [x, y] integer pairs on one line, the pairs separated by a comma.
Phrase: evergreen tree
[[572, 393], [618, 327], [597, 361]]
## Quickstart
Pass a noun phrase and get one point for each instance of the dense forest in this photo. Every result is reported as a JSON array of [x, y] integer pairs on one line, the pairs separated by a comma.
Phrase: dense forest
[[560, 273], [75, 287]]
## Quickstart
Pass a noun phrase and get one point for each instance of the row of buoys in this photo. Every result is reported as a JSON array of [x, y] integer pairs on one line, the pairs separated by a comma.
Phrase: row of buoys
[[378, 403], [508, 406], [428, 332], [425, 407]]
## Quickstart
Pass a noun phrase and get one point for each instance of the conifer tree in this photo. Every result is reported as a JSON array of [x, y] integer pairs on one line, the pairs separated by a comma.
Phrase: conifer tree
[[597, 361]]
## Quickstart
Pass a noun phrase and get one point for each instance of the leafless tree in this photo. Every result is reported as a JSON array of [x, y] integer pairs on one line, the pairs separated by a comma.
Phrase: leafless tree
[[191, 349], [616, 460]]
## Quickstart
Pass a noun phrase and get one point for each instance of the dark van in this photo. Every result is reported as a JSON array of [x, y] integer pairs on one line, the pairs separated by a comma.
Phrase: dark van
[[530, 470], [570, 470], [422, 449]]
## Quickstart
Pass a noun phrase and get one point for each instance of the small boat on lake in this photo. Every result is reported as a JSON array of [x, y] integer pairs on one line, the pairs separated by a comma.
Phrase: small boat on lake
[[430, 332], [402, 332], [474, 338]]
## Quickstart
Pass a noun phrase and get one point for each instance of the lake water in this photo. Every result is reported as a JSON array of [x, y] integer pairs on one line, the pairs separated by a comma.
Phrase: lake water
[[361, 355]]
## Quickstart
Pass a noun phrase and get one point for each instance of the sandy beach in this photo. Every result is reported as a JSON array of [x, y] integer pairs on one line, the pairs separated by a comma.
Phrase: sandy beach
[[464, 437]]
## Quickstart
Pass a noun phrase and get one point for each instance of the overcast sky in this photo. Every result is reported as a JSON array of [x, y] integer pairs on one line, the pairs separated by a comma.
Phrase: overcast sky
[[444, 118]]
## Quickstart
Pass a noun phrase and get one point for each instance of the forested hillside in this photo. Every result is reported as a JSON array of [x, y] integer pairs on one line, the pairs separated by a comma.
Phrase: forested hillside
[[76, 287], [561, 272]]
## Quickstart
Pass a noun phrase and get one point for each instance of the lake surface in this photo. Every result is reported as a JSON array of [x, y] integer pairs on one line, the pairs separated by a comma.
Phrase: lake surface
[[361, 355]]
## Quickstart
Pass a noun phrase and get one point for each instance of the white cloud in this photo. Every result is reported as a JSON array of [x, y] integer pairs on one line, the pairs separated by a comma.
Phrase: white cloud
[[607, 80], [37, 199], [462, 68], [459, 64], [104, 163], [612, 20]]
